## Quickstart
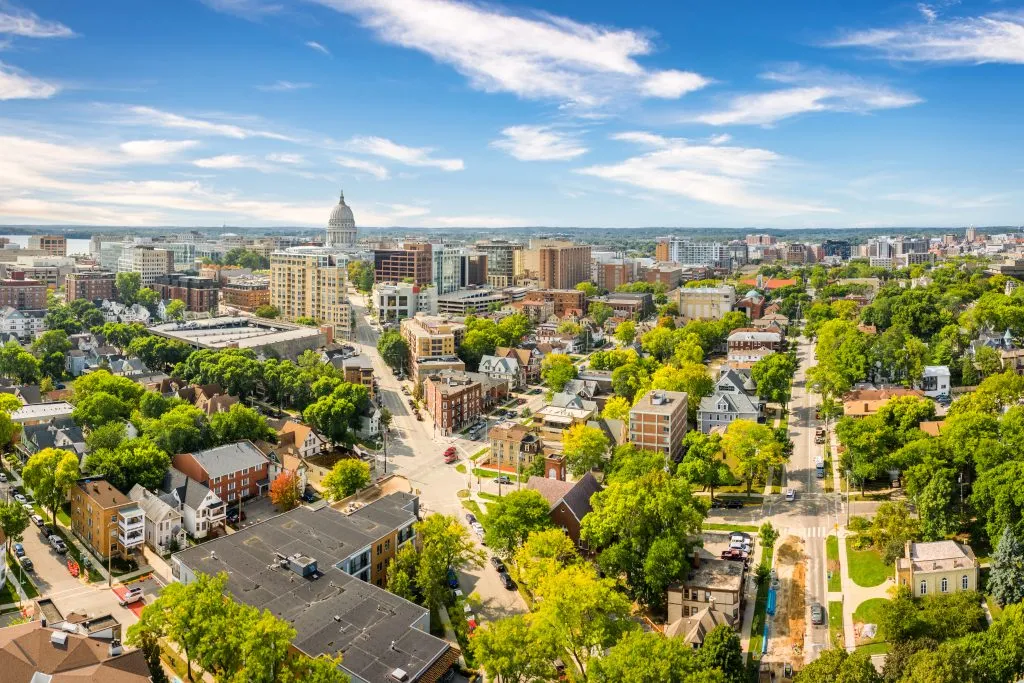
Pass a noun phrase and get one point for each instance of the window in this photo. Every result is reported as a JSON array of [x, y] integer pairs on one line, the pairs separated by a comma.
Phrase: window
[[964, 582], [924, 588], [944, 585], [380, 548], [387, 544]]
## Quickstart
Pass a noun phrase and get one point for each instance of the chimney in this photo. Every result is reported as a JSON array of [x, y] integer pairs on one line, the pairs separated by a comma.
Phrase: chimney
[[696, 558], [906, 549]]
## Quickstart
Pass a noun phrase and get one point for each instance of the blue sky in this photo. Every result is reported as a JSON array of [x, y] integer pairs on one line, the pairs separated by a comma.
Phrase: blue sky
[[444, 113]]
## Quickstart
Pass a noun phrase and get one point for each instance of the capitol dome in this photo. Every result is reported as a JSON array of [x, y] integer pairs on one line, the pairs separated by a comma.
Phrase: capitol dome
[[341, 226]]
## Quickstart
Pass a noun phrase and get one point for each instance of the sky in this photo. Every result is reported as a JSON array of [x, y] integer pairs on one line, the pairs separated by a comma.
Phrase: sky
[[451, 113]]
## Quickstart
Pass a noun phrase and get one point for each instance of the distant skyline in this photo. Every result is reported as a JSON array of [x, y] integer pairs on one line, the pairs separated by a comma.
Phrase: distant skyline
[[448, 114]]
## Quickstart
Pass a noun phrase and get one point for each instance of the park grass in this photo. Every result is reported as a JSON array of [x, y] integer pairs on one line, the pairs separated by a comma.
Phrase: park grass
[[486, 473], [866, 566], [749, 528], [835, 623], [870, 611], [879, 647], [835, 582]]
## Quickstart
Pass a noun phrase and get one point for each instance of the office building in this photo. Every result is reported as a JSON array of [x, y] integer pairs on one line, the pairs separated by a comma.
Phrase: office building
[[92, 285], [470, 301], [411, 262], [456, 268], [104, 519], [146, 260], [658, 422], [341, 226], [839, 248], [22, 293], [246, 292], [199, 294], [397, 300], [311, 284], [705, 303], [689, 253], [505, 266], [54, 245], [562, 265]]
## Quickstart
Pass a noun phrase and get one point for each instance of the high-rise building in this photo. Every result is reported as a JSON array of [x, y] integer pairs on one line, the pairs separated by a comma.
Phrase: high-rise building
[[341, 226], [409, 261], [562, 265], [504, 262], [91, 285], [146, 260], [54, 245], [306, 284], [21, 293], [690, 253], [760, 240], [840, 248]]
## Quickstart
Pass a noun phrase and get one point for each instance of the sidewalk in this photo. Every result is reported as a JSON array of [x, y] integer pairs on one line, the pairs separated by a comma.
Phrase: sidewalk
[[854, 595]]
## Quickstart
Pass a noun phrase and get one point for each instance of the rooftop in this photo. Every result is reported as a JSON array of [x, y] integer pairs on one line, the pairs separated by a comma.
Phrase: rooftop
[[33, 653], [716, 575], [230, 331], [660, 401], [938, 556], [229, 458], [103, 492], [42, 411]]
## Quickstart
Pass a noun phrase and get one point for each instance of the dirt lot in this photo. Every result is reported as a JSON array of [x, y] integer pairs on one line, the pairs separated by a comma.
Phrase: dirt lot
[[787, 626]]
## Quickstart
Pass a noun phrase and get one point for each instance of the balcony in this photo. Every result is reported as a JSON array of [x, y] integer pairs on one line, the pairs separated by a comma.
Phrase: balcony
[[130, 519]]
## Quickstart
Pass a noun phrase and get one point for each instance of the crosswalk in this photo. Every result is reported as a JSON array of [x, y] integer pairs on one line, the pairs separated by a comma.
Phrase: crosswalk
[[810, 532]]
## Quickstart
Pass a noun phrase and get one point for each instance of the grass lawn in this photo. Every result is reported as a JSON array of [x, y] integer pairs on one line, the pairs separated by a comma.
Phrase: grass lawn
[[835, 622], [866, 566], [26, 582], [749, 528], [835, 583], [870, 611], [877, 648], [480, 452], [993, 607], [485, 474]]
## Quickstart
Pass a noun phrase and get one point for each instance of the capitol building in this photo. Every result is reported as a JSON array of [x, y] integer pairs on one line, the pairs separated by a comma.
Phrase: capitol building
[[341, 226]]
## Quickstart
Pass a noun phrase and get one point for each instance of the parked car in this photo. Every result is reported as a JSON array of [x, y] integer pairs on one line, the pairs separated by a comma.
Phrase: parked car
[[734, 555], [28, 508], [453, 579], [717, 504], [467, 610], [3, 477], [46, 531], [790, 495], [57, 543], [233, 516], [507, 581], [817, 614], [308, 496], [449, 459], [745, 546], [132, 595], [19, 550], [502, 479], [20, 498], [451, 450], [470, 518], [37, 520], [26, 563], [733, 504], [499, 565]]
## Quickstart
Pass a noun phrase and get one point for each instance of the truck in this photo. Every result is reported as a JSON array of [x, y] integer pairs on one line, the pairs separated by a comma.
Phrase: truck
[[819, 435], [819, 467]]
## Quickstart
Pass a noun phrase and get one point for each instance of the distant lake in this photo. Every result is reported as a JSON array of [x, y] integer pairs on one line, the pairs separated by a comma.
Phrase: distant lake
[[75, 246]]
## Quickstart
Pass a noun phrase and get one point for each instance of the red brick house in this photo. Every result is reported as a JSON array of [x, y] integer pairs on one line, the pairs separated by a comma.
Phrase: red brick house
[[232, 471], [569, 501]]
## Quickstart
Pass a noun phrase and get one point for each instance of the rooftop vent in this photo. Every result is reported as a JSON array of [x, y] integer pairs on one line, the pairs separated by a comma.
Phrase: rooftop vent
[[658, 398], [115, 648], [59, 638], [399, 675], [302, 565]]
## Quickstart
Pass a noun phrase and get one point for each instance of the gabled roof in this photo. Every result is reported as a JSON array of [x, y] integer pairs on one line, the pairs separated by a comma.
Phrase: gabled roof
[[504, 366], [186, 490], [153, 506], [229, 458], [736, 402], [575, 495], [28, 654]]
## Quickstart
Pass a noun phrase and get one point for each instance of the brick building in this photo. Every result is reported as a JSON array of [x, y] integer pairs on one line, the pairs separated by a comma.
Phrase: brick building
[[414, 260], [563, 265], [658, 422], [198, 293], [54, 245], [104, 519], [92, 285], [21, 293], [232, 471], [563, 301], [246, 293], [453, 399]]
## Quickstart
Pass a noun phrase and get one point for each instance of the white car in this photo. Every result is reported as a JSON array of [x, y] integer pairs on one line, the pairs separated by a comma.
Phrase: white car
[[20, 498], [790, 495], [132, 595], [740, 545]]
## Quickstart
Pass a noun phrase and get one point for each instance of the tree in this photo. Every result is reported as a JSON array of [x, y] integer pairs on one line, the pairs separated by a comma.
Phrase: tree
[[284, 491], [584, 448], [513, 518], [625, 332], [617, 408], [402, 573], [182, 429], [50, 347], [659, 342], [333, 416], [17, 363], [754, 447], [721, 650], [346, 477], [892, 526], [150, 646], [693, 378], [100, 408], [135, 461], [1006, 580], [149, 298], [107, 436], [9, 403], [102, 381], [652, 658], [60, 318], [702, 463], [393, 349], [267, 311], [444, 543], [588, 288], [175, 310], [13, 521], [50, 473], [128, 285], [239, 423], [773, 376], [612, 358], [556, 370], [837, 666], [360, 273], [510, 652], [306, 320], [544, 554], [599, 312], [577, 613], [631, 462]]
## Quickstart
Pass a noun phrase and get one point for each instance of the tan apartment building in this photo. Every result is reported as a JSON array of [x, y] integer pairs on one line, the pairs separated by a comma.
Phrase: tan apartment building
[[562, 265], [705, 303], [555, 420], [54, 245], [312, 285], [411, 261], [432, 339], [505, 263], [658, 422], [91, 285], [146, 260], [513, 446], [563, 301], [106, 520], [938, 567]]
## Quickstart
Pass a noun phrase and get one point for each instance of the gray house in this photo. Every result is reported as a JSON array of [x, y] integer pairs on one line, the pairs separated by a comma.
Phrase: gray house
[[732, 399], [506, 369]]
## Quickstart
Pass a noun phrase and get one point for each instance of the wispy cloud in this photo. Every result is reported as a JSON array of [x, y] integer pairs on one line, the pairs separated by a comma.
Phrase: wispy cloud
[[376, 170], [410, 156], [991, 38], [233, 161], [293, 159], [284, 86], [164, 119], [808, 91], [253, 10], [26, 24], [538, 143], [156, 150], [318, 47], [716, 174], [534, 56], [17, 85]]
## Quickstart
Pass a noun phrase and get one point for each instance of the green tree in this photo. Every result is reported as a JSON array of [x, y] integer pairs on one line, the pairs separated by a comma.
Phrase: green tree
[[51, 347], [1006, 579], [393, 349], [267, 311], [135, 461], [100, 408], [584, 448], [510, 652], [122, 388], [692, 378], [13, 521], [346, 477], [892, 526], [182, 429], [588, 288], [50, 473], [652, 658], [333, 416], [306, 320], [128, 285], [599, 312], [360, 274], [513, 518], [617, 408], [625, 332], [556, 370], [402, 573], [8, 429], [721, 650], [545, 553], [107, 436], [18, 364], [773, 376], [659, 342], [702, 463], [175, 310], [837, 666], [754, 448], [239, 423], [444, 543]]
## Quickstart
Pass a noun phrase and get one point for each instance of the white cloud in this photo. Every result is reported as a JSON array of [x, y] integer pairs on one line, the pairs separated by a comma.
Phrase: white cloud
[[156, 150], [928, 12], [233, 161], [26, 24], [376, 170], [312, 44], [715, 174], [992, 38], [253, 10], [410, 156], [476, 221], [16, 85], [164, 119], [810, 91], [673, 84], [538, 143], [720, 139], [284, 86], [539, 56], [279, 158]]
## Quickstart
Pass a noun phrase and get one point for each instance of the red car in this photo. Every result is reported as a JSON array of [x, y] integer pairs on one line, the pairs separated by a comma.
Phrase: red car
[[451, 451], [735, 555], [449, 459]]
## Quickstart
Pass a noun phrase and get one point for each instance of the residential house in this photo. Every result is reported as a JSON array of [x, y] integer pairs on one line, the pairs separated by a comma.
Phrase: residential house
[[23, 325], [569, 502], [202, 511], [752, 304], [506, 369], [234, 471], [60, 432], [104, 519], [28, 394], [528, 359], [513, 446], [44, 652], [770, 320], [33, 414], [358, 370], [710, 583], [165, 530], [938, 567], [935, 381], [695, 628], [864, 402], [732, 399], [299, 438], [116, 312]]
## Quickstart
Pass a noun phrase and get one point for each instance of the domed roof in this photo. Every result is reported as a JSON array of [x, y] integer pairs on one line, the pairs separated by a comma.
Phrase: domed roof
[[341, 213]]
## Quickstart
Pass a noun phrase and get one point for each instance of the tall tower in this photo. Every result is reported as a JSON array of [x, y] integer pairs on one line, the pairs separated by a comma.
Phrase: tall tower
[[341, 226]]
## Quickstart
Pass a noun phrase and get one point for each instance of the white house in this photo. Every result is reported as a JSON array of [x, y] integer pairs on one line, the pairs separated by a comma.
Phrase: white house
[[21, 324], [201, 509], [935, 381], [164, 523], [506, 369]]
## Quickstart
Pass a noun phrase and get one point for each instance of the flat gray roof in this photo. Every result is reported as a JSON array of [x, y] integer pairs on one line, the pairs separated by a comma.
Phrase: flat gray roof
[[238, 331]]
